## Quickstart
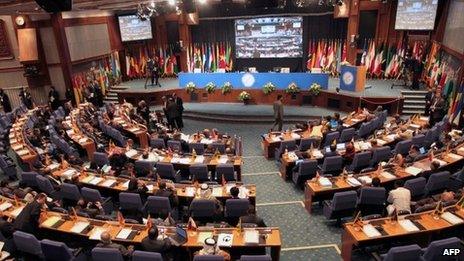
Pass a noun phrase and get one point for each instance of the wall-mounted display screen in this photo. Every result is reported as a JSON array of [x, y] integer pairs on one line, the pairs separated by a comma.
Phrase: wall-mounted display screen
[[416, 14], [133, 29], [269, 37]]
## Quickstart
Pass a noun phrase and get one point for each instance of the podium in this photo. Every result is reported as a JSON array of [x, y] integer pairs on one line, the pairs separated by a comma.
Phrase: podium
[[352, 78]]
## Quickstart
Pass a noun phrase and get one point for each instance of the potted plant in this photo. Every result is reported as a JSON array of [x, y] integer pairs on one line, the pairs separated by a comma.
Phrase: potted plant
[[210, 87], [226, 88], [315, 89], [293, 89], [244, 97], [190, 87], [269, 88]]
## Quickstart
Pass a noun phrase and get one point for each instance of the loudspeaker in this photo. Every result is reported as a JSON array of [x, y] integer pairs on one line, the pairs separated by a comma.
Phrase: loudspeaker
[[55, 6], [189, 6]]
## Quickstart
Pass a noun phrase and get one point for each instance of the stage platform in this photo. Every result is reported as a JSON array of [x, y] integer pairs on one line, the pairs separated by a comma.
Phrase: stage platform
[[374, 88]]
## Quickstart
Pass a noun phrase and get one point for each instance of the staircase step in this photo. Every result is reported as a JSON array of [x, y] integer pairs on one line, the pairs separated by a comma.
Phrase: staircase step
[[409, 106], [413, 111], [414, 92], [414, 101], [414, 96]]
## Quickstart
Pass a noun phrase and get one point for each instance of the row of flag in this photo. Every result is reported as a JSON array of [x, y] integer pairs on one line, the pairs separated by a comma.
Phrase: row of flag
[[106, 72], [137, 59], [209, 57], [326, 54]]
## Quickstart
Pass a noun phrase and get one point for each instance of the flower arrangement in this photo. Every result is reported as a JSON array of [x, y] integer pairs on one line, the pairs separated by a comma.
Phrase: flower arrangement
[[292, 88], [269, 88], [210, 87], [226, 88], [190, 87], [244, 96], [315, 89]]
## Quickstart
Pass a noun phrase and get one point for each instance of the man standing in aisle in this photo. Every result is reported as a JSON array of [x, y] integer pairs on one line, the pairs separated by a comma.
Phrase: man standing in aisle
[[278, 112], [180, 110]]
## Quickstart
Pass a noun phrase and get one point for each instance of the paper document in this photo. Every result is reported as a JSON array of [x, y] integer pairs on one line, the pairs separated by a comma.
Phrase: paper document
[[407, 225], [217, 191], [370, 231], [413, 170], [251, 237], [51, 221], [353, 182], [96, 232], [6, 205], [87, 179], [190, 191], [199, 159], [325, 182], [451, 218], [69, 173], [96, 180], [225, 240], [108, 183], [131, 153], [184, 161], [124, 233], [223, 159], [79, 227], [126, 184], [387, 175]]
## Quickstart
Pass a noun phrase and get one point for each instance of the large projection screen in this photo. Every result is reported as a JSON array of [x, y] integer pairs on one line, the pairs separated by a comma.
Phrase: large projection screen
[[133, 29], [416, 14], [269, 37]]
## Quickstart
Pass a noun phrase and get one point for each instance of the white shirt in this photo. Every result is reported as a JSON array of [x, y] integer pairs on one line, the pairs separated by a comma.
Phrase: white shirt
[[400, 199]]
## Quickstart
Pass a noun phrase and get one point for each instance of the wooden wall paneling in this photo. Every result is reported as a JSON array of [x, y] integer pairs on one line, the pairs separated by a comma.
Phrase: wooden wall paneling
[[440, 21], [115, 35], [353, 21], [5, 46], [27, 42], [186, 38], [63, 50]]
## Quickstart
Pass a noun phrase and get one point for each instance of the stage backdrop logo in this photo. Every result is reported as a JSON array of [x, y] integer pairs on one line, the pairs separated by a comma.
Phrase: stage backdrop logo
[[248, 80]]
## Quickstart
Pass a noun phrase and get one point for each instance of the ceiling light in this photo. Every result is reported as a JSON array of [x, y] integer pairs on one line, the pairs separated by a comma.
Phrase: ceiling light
[[172, 2], [202, 2]]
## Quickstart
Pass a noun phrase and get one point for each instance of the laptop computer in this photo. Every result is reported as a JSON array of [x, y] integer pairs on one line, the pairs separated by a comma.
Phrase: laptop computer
[[180, 237]]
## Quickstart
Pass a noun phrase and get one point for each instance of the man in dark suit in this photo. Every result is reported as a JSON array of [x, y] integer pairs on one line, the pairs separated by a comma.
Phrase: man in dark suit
[[252, 218], [167, 191], [28, 219], [278, 112], [429, 97], [54, 98], [436, 110], [180, 110], [152, 244], [172, 113], [5, 101]]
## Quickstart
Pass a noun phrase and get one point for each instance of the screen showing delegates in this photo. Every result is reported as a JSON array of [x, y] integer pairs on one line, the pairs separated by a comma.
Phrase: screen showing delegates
[[269, 37], [132, 28], [416, 14]]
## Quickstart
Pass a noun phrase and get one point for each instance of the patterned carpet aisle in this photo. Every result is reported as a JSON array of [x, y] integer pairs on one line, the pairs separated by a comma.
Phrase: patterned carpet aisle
[[279, 203]]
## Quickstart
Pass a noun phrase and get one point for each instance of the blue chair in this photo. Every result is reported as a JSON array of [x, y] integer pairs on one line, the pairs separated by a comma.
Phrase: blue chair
[[347, 135], [174, 145], [28, 179], [146, 256], [46, 186], [306, 170], [380, 154], [27, 243], [105, 254], [332, 165], [330, 137], [402, 147], [56, 251], [363, 131], [70, 192], [221, 147], [361, 160], [199, 172], [236, 208], [158, 206], [100, 159], [225, 170], [419, 140], [157, 144], [289, 145], [343, 204], [144, 166], [8, 169], [93, 195], [437, 182], [208, 258], [371, 200], [416, 186], [305, 144], [255, 258], [202, 209], [198, 147], [403, 253], [166, 171], [130, 201], [436, 249]]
